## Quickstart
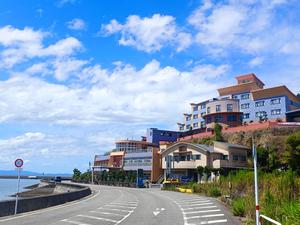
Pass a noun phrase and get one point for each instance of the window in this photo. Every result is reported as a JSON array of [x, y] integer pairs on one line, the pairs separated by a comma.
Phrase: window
[[218, 108], [231, 118], [208, 110], [243, 158], [188, 157], [218, 118], [198, 157], [188, 118], [245, 106], [208, 119], [276, 112], [195, 125], [176, 158], [229, 107], [195, 108], [260, 114], [203, 106], [203, 124], [202, 114], [275, 101], [224, 157], [182, 158], [235, 96], [245, 96], [246, 115], [181, 128], [260, 103], [188, 127], [235, 157], [195, 116]]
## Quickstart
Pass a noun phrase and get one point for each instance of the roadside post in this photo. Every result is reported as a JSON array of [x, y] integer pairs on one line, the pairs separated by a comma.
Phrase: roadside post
[[255, 182], [18, 164]]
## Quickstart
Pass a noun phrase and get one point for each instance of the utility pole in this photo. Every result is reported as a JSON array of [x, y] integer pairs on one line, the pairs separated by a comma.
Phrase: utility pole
[[255, 182]]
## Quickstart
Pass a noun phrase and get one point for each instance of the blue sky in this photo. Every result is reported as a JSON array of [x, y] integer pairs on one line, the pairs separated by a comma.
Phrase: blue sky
[[76, 75]]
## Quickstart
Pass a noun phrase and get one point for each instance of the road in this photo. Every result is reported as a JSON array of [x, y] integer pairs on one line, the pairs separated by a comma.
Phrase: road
[[127, 206]]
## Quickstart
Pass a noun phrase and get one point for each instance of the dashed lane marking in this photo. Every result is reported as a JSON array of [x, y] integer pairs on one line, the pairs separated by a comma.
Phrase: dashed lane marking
[[204, 216], [74, 222], [202, 207], [98, 218], [120, 210], [120, 206], [209, 222], [203, 211], [108, 213]]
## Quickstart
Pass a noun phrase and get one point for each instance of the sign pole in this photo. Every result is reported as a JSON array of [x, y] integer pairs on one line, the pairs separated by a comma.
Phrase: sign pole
[[255, 182], [18, 189]]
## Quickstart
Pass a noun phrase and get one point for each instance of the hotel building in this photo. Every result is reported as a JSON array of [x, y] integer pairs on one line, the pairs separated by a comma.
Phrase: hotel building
[[247, 101]]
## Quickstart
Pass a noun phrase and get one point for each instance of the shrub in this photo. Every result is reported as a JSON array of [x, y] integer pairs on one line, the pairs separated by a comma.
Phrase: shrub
[[214, 192], [238, 207]]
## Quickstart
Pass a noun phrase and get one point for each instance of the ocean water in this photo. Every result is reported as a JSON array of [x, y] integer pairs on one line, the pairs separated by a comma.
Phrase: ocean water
[[9, 186]]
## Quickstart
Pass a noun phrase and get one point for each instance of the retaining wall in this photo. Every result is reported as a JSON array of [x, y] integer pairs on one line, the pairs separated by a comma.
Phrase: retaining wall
[[29, 204]]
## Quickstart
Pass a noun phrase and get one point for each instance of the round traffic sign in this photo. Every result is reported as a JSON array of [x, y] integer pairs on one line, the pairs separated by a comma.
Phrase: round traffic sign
[[19, 163]]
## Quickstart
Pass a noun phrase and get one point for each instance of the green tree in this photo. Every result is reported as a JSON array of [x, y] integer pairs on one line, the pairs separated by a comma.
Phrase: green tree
[[293, 151], [207, 170], [298, 95], [76, 174], [200, 170], [86, 177], [218, 132]]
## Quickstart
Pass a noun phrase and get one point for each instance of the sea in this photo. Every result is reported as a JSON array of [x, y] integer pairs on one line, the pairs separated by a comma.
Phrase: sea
[[9, 187]]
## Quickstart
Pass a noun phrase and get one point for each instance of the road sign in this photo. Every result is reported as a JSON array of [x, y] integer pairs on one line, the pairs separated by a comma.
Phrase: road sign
[[19, 163]]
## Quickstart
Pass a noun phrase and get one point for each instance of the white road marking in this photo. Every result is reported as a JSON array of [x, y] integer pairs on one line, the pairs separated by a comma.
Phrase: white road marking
[[51, 208], [191, 200], [194, 202], [74, 222], [202, 207], [120, 206], [108, 213], [124, 203], [209, 203], [158, 210], [204, 216], [203, 211], [98, 218], [212, 222], [120, 210]]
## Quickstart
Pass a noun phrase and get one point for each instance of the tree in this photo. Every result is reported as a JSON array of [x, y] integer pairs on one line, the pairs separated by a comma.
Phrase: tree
[[298, 95], [76, 174], [200, 170], [218, 132], [293, 151], [207, 171]]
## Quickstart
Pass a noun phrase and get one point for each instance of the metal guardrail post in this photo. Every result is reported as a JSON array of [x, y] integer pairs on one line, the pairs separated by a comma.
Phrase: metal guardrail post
[[270, 220]]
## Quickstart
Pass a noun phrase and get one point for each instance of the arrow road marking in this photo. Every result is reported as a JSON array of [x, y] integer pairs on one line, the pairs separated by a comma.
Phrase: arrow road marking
[[158, 210]]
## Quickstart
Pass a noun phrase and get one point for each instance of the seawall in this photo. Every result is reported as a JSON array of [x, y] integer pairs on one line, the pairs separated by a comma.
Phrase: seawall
[[34, 203]]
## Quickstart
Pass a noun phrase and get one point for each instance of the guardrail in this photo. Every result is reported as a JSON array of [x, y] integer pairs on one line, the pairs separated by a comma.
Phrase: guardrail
[[270, 220]]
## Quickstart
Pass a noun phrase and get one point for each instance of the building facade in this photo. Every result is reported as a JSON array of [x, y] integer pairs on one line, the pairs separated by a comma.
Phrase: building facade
[[184, 158], [247, 101], [155, 135]]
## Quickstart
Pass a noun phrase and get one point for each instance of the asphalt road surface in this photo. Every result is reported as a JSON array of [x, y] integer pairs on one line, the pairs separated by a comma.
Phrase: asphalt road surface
[[129, 206]]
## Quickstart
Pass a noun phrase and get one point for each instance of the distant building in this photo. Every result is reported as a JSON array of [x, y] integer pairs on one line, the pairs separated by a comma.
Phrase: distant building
[[155, 135], [184, 158], [247, 101]]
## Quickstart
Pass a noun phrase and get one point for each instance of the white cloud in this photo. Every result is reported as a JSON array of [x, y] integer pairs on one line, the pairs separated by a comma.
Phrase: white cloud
[[76, 24], [149, 34], [20, 45], [64, 68], [256, 61]]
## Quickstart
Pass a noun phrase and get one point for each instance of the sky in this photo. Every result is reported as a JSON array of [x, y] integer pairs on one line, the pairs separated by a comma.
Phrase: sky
[[76, 75]]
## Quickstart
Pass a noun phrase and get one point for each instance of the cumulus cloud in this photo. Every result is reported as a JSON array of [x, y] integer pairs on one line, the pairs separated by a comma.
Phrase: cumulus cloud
[[21, 45], [76, 24], [149, 34]]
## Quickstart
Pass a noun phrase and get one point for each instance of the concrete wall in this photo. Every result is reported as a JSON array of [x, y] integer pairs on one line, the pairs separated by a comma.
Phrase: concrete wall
[[30, 204]]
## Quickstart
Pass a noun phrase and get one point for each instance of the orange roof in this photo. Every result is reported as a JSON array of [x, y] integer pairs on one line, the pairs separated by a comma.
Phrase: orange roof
[[249, 76], [240, 88], [274, 91], [134, 141]]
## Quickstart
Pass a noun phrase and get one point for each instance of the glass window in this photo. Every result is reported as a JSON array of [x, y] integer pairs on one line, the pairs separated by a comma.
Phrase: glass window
[[188, 118], [235, 157], [218, 118], [243, 158], [224, 157], [245, 106], [182, 158], [246, 115], [195, 108], [188, 126], [260, 103], [181, 128], [275, 101], [188, 157], [229, 107], [231, 118], [202, 114], [195, 116], [245, 96], [261, 113], [195, 124], [208, 119], [276, 112], [208, 110], [203, 124], [198, 157], [203, 106], [218, 108], [235, 96]]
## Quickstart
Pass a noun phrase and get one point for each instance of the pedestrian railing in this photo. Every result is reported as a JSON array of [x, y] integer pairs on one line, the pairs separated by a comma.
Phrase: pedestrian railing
[[270, 220]]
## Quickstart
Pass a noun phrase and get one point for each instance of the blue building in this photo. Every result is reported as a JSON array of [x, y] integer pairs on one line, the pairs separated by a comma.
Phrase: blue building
[[253, 103], [155, 135]]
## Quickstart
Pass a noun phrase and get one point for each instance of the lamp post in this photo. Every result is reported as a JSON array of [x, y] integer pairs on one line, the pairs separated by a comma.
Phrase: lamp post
[[255, 182]]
